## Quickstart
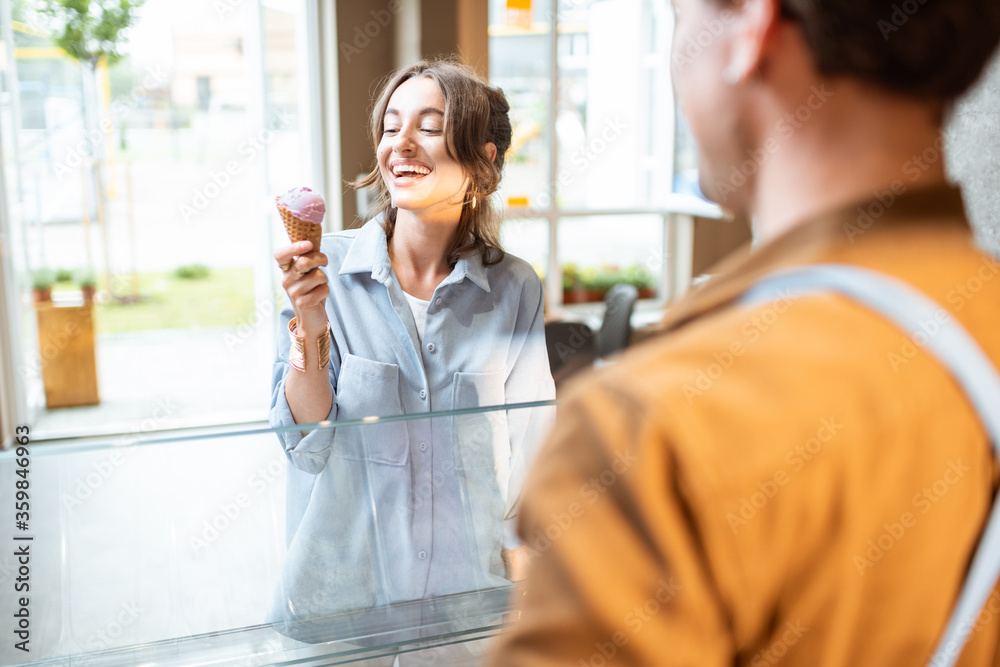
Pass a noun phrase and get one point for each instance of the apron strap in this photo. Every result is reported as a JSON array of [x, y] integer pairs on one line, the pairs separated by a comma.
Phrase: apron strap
[[935, 329]]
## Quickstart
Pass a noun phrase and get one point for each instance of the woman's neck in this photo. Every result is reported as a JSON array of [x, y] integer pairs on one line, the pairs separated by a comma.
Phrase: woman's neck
[[418, 251]]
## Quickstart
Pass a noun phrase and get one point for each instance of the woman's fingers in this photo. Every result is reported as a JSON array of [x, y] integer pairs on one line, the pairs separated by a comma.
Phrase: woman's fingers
[[299, 259], [306, 263], [285, 254], [307, 293], [313, 301], [298, 283], [307, 288]]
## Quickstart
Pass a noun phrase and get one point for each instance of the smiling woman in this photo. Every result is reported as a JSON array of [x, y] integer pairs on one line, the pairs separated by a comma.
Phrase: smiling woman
[[444, 114], [424, 312]]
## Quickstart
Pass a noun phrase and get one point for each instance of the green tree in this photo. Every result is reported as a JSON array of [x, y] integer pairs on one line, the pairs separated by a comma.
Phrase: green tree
[[90, 30]]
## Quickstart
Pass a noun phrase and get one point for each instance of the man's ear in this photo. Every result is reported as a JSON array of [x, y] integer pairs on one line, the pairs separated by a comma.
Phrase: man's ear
[[756, 22], [491, 150]]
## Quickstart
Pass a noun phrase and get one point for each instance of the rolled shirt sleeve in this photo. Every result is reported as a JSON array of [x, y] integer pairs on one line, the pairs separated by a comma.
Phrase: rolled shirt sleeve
[[311, 451]]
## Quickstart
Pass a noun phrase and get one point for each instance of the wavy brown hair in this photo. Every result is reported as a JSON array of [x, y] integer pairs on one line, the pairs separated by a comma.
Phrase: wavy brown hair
[[474, 113]]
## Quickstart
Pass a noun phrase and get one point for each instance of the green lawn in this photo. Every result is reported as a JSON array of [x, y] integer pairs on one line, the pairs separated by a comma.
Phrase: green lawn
[[224, 298]]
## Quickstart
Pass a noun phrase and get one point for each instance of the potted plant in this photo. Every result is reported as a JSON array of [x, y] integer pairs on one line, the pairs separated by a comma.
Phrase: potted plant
[[590, 281], [41, 285], [88, 284], [642, 279], [572, 289]]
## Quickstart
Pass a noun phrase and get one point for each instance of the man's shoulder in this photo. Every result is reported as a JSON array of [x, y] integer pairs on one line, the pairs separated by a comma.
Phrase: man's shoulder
[[737, 356]]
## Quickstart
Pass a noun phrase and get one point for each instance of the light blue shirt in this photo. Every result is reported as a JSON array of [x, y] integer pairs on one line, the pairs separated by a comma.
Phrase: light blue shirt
[[409, 509]]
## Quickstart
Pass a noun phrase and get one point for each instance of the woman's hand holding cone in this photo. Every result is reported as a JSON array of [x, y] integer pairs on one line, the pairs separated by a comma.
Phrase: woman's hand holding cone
[[307, 286]]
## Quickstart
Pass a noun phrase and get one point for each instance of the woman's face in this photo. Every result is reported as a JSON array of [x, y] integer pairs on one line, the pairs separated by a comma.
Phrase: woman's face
[[415, 167]]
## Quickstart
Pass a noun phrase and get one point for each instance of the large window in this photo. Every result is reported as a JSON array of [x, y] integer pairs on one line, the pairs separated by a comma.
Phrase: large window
[[156, 176], [598, 183]]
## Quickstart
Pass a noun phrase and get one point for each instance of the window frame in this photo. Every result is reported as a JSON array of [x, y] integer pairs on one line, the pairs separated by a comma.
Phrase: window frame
[[677, 212]]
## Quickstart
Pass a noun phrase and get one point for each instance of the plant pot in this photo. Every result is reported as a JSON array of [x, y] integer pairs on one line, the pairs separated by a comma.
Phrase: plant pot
[[647, 293], [41, 294], [582, 295], [88, 293]]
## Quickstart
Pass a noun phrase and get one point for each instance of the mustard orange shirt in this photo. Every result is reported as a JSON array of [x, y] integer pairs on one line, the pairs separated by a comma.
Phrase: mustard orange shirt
[[797, 483]]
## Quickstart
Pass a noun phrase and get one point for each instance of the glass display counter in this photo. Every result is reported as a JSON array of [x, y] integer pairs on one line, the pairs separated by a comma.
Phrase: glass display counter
[[190, 548]]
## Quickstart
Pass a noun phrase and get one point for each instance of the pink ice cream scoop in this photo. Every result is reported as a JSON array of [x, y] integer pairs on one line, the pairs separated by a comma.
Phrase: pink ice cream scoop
[[302, 211], [304, 204]]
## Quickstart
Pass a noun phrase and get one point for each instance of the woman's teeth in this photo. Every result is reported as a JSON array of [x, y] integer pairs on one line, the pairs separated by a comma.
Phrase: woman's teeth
[[402, 169]]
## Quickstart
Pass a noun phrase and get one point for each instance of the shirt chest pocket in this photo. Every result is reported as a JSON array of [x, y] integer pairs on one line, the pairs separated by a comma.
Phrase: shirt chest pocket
[[367, 388], [479, 440]]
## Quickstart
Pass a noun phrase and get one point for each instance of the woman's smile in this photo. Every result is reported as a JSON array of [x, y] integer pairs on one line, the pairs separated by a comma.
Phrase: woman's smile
[[408, 172]]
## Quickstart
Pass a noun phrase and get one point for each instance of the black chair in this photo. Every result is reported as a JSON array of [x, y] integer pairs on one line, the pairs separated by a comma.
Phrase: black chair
[[616, 328], [571, 348]]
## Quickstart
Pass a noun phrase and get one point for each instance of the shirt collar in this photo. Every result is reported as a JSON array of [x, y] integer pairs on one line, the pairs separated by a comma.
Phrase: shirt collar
[[369, 252], [470, 266], [843, 234]]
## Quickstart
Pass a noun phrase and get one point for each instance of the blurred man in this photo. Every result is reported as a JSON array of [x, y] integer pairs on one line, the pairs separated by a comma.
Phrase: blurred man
[[798, 482]]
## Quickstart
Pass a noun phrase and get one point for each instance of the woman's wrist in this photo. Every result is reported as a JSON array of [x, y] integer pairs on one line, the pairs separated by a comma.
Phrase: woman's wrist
[[311, 325], [302, 347]]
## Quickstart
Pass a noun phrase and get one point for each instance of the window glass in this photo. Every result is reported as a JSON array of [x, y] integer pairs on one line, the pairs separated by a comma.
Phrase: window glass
[[614, 136], [627, 252], [155, 175]]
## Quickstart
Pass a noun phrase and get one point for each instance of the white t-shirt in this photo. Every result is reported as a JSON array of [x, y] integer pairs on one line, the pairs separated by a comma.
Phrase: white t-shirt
[[419, 309]]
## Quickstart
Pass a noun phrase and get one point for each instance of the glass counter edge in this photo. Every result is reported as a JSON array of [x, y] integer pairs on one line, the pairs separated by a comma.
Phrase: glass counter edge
[[390, 625], [59, 446]]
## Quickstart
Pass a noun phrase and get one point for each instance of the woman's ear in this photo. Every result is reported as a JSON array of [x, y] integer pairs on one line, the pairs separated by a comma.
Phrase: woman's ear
[[491, 150]]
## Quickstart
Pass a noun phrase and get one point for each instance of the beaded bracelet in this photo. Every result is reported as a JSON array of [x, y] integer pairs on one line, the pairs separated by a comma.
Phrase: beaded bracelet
[[296, 352]]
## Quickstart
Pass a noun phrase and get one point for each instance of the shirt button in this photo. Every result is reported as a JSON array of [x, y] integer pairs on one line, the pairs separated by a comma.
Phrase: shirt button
[[438, 301], [423, 446], [430, 347], [422, 555], [423, 394]]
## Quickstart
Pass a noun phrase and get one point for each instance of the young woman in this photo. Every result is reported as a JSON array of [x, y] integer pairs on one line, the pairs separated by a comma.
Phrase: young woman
[[421, 311]]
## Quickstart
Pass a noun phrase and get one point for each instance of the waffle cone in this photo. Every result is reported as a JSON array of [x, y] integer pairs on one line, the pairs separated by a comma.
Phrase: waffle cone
[[300, 230]]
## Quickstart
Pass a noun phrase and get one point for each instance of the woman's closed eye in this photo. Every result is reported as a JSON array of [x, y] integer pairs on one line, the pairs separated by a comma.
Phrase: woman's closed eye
[[425, 130]]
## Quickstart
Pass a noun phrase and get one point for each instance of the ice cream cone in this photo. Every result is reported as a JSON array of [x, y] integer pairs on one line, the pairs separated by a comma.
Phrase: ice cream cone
[[300, 230]]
